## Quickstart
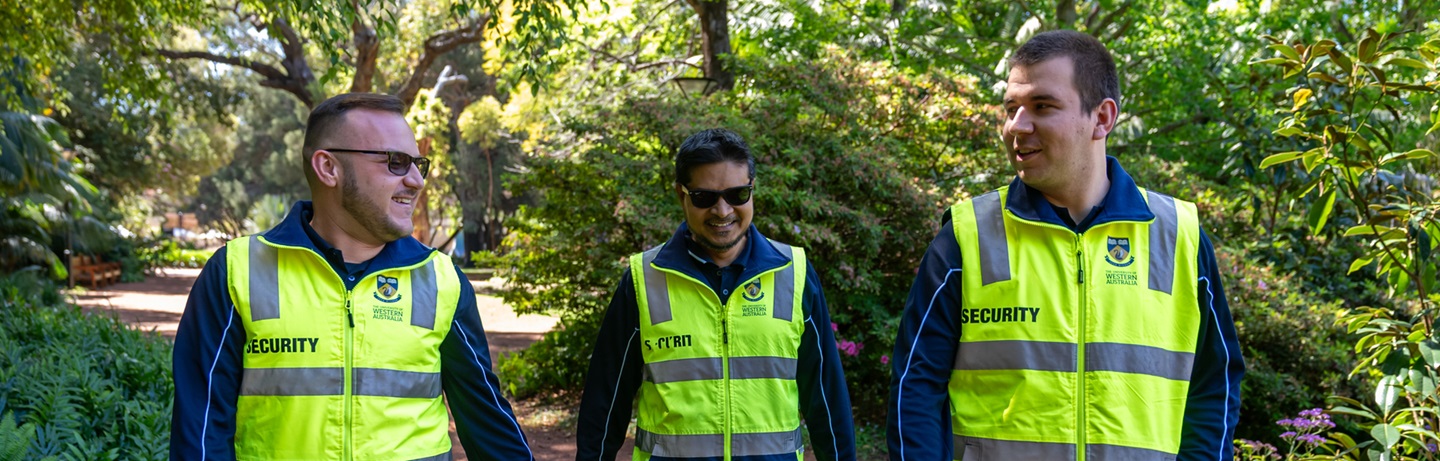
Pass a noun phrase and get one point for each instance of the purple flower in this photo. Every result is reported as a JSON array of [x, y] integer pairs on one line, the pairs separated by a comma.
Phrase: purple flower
[[1288, 435]]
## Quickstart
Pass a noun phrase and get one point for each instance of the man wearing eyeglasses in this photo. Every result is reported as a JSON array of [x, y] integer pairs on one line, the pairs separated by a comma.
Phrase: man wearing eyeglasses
[[724, 333], [332, 335]]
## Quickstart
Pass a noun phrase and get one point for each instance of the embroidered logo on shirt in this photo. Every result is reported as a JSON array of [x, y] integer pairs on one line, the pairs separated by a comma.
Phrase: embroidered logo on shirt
[[753, 292], [1118, 250], [387, 289]]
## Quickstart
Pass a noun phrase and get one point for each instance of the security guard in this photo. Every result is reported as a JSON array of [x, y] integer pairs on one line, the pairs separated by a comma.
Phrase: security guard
[[1071, 315], [724, 333], [332, 335]]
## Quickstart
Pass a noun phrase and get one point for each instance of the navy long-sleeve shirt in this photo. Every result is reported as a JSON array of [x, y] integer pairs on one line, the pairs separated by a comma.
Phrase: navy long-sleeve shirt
[[208, 362], [925, 347], [616, 364]]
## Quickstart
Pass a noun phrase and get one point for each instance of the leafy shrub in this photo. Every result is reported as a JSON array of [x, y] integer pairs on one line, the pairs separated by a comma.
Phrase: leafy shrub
[[1295, 354], [855, 163], [167, 252], [92, 388]]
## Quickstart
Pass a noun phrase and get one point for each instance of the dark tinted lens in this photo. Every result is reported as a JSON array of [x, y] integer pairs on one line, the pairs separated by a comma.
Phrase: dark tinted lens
[[737, 196], [704, 198], [399, 164]]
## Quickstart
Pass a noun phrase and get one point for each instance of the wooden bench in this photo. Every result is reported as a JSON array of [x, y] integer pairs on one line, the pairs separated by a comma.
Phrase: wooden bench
[[95, 271]]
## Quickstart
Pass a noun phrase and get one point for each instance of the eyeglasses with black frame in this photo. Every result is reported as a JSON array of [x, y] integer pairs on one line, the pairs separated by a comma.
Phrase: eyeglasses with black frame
[[397, 162], [704, 198]]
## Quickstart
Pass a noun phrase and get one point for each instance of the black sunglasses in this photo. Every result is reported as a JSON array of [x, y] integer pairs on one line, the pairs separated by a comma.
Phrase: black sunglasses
[[397, 162], [735, 196]]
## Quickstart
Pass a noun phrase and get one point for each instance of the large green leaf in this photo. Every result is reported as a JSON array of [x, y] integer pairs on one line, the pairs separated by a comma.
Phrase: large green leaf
[[1319, 212], [1386, 435]]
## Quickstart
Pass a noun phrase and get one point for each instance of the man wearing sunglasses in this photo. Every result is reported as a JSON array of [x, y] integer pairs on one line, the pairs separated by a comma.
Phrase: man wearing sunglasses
[[332, 335], [1071, 315], [724, 333]]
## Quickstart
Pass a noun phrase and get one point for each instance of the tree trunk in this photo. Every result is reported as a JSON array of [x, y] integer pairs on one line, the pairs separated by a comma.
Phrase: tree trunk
[[1065, 14], [715, 40]]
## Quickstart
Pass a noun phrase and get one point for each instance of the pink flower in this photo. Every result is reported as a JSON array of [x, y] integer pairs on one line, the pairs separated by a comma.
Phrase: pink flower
[[834, 327], [847, 347], [884, 360]]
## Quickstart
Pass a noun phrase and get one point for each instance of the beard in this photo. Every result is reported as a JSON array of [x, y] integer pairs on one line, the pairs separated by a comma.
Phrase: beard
[[367, 212], [719, 246]]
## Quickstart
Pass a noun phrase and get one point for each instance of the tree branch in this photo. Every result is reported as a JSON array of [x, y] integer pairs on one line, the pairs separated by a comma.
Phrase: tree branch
[[437, 45], [367, 52], [273, 76]]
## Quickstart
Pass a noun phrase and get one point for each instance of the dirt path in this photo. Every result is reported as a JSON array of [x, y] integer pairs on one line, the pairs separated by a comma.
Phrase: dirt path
[[157, 304]]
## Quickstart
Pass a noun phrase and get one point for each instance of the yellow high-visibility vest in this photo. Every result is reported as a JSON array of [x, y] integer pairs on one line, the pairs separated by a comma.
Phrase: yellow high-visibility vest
[[1074, 346], [331, 373], [719, 379]]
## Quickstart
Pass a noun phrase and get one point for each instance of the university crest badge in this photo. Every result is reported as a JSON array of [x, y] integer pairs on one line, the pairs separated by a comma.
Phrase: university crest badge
[[387, 289], [1117, 252], [753, 292]]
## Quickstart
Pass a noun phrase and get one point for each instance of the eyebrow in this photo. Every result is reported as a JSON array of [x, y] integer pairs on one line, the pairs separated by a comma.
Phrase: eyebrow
[[1038, 97]]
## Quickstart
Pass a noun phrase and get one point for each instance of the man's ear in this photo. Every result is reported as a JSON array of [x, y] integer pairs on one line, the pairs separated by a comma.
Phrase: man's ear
[[1105, 115], [680, 193], [327, 168]]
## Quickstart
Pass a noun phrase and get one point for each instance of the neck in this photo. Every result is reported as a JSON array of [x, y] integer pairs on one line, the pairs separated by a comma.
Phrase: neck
[[355, 248], [1082, 195]]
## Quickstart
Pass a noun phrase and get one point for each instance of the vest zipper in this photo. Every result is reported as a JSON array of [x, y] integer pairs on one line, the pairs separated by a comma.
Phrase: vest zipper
[[1080, 401], [349, 384], [725, 366]]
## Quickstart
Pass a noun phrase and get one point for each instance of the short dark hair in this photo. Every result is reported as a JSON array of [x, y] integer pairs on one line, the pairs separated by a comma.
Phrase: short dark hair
[[714, 145], [1094, 78], [330, 112]]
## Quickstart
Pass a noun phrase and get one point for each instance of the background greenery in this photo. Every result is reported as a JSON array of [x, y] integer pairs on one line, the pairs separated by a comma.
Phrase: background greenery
[[1304, 130]]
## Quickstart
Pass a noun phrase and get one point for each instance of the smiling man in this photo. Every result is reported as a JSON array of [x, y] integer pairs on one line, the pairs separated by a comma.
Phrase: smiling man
[[332, 335], [1071, 315], [724, 333]]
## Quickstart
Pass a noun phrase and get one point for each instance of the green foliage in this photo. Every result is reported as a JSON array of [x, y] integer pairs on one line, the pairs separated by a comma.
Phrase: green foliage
[[1352, 108], [1295, 354], [15, 441], [166, 252], [91, 388], [842, 146]]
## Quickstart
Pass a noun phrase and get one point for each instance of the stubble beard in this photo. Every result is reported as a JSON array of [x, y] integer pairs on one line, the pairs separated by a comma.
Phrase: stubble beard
[[370, 215]]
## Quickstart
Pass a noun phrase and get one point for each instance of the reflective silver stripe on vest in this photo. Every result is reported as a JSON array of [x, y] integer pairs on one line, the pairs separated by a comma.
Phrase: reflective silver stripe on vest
[[292, 381], [785, 286], [1119, 453], [439, 457], [1163, 233], [990, 232], [671, 371], [763, 367], [1057, 356], [694, 369], [423, 290], [656, 295], [766, 443], [264, 281], [379, 382], [978, 449], [1017, 355], [713, 445], [1145, 360]]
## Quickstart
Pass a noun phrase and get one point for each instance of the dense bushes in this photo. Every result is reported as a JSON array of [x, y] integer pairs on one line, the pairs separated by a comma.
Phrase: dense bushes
[[855, 162], [91, 388]]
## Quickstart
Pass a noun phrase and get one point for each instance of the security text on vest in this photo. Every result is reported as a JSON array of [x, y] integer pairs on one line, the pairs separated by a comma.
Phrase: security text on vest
[[999, 314], [280, 345]]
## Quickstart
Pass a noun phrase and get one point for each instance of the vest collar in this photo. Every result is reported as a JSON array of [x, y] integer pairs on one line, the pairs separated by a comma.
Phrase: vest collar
[[291, 232], [759, 256], [1122, 202]]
